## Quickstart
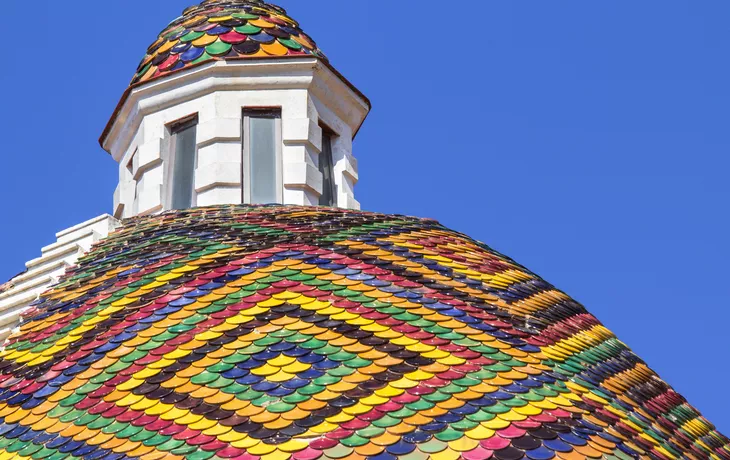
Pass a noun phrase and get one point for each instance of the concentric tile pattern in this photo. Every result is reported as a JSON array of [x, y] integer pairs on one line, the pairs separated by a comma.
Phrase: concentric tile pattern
[[221, 30], [308, 333]]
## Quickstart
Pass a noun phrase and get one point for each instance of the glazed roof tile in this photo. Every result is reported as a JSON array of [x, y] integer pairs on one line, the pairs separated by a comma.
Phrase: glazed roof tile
[[309, 333], [225, 30]]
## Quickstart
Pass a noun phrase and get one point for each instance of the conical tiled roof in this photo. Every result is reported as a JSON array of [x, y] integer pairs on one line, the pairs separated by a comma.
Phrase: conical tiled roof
[[225, 30], [308, 333]]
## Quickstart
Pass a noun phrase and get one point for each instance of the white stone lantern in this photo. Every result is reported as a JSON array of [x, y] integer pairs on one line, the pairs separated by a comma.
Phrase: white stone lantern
[[248, 131]]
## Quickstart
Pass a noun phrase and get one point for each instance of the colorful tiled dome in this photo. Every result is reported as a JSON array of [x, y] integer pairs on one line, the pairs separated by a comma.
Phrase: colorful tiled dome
[[222, 30], [306, 333]]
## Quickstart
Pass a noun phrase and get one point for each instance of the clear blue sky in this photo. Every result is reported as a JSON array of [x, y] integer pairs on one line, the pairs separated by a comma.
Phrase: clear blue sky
[[587, 140]]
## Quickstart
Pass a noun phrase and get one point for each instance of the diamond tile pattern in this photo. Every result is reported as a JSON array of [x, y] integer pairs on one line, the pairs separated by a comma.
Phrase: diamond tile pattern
[[285, 332], [222, 30]]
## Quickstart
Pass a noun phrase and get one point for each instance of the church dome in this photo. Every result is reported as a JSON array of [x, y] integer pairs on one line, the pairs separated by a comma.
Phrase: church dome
[[223, 30], [308, 333]]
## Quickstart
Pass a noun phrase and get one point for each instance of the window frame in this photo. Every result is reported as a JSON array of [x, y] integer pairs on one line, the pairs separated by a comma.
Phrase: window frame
[[246, 178], [171, 131], [332, 135]]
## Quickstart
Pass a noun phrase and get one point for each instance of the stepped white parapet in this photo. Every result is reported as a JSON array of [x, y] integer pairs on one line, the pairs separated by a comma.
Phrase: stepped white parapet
[[44, 271]]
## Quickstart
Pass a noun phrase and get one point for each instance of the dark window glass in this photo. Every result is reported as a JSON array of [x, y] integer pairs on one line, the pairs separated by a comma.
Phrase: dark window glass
[[326, 167], [183, 165], [261, 151]]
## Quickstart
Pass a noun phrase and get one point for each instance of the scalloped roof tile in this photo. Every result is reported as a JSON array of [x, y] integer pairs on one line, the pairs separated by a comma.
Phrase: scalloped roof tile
[[225, 30], [304, 333]]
